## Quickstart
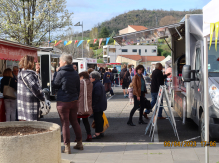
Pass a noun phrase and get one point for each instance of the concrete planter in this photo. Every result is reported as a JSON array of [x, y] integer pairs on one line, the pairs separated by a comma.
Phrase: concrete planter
[[36, 148]]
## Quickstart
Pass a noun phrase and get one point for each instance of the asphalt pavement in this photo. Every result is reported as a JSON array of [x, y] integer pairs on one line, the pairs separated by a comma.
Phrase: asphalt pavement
[[119, 131]]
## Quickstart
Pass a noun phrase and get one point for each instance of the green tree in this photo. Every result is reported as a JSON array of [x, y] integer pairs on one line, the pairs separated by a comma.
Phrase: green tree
[[104, 33], [27, 21]]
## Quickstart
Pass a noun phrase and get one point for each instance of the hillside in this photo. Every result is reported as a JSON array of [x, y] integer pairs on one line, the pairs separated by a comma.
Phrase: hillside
[[147, 18]]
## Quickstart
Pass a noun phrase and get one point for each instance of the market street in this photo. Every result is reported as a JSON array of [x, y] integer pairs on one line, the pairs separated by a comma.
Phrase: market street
[[123, 143], [117, 113]]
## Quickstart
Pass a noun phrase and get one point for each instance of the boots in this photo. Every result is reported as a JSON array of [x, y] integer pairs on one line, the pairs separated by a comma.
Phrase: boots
[[67, 149], [79, 145], [89, 138]]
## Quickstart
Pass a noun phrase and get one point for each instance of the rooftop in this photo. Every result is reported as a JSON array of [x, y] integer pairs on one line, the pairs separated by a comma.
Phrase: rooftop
[[152, 58], [138, 28]]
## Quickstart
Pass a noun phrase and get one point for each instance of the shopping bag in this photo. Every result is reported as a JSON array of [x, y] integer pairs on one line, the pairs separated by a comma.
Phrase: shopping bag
[[105, 123]]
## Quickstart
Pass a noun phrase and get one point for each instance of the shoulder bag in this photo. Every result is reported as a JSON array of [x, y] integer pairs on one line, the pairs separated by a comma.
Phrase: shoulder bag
[[121, 81], [9, 92], [45, 106]]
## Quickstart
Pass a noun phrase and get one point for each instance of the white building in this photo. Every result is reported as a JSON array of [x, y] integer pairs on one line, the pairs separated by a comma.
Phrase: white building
[[111, 52]]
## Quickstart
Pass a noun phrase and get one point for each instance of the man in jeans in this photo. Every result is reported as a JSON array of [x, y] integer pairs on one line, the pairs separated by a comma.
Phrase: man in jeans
[[157, 80]]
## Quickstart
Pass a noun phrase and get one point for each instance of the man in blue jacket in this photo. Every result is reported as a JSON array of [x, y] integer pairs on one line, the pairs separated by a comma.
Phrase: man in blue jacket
[[99, 103]]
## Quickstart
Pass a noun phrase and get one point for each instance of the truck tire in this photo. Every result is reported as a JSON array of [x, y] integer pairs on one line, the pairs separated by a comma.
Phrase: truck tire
[[202, 127]]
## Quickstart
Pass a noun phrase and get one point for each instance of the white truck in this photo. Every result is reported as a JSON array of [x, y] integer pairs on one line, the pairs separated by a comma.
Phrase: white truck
[[83, 64]]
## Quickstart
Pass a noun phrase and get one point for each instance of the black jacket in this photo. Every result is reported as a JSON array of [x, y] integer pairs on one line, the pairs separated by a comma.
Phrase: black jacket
[[124, 76], [107, 78], [67, 81], [99, 102], [114, 71], [157, 80], [5, 81]]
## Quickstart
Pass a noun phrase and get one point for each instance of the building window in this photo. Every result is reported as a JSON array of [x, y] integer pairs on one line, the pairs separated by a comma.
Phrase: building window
[[134, 50], [154, 50], [124, 50], [146, 50]]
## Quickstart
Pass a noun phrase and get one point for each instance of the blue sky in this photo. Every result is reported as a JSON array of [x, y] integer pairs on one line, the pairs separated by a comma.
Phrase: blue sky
[[92, 12]]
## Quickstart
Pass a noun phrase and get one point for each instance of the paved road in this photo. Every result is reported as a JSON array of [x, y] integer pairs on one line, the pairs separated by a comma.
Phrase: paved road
[[118, 112]]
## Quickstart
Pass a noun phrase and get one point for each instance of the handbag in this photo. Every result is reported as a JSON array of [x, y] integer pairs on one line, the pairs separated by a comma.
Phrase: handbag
[[45, 106], [147, 104], [105, 123], [121, 80], [9, 92]]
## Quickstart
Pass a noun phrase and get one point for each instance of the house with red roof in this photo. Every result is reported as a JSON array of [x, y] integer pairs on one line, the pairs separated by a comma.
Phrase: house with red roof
[[132, 28]]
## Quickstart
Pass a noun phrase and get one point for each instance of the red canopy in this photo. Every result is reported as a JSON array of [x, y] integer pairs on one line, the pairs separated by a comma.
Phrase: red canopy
[[14, 51]]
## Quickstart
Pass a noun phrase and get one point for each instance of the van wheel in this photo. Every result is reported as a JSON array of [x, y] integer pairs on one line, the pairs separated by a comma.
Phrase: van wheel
[[184, 110], [202, 127]]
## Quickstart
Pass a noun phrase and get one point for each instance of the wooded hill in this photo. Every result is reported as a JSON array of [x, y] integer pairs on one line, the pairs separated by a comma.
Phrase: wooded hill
[[147, 18]]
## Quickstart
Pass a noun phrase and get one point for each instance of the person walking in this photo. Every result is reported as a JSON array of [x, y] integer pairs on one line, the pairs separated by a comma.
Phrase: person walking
[[112, 77], [99, 103], [66, 80], [157, 80], [29, 91], [107, 81], [130, 77], [124, 76], [115, 75], [10, 104], [139, 90], [85, 102]]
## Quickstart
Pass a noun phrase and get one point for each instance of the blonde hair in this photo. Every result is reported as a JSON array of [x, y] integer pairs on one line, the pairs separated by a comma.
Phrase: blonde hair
[[131, 85], [124, 66], [27, 62], [7, 73]]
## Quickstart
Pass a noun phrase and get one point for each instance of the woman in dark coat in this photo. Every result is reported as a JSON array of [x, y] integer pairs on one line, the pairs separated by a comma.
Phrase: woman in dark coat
[[10, 104], [99, 103], [124, 75], [66, 80]]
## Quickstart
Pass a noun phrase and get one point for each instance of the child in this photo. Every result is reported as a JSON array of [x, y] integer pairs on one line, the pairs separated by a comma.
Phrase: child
[[130, 89]]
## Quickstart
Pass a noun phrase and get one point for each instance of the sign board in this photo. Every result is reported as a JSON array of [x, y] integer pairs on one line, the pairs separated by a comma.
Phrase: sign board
[[153, 121]]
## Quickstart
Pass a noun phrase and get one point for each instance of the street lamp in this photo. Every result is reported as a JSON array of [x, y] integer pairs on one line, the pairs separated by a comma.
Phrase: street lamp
[[79, 24]]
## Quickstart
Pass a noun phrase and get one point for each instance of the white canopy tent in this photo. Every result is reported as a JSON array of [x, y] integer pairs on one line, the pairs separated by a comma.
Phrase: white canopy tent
[[163, 62], [210, 15]]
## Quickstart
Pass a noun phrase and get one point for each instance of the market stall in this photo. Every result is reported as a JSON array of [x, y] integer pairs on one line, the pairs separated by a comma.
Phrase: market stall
[[12, 51]]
